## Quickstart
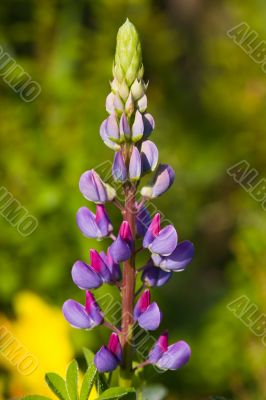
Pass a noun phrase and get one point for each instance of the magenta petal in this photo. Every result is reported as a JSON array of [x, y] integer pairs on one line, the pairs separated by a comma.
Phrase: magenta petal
[[114, 346], [152, 232], [76, 315], [105, 360], [142, 303], [93, 308], [160, 347], [177, 355], [125, 232], [84, 276], [151, 318], [165, 243], [99, 266]]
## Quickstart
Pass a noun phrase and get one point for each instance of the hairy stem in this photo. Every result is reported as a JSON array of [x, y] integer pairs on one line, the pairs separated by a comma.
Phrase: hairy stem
[[128, 292]]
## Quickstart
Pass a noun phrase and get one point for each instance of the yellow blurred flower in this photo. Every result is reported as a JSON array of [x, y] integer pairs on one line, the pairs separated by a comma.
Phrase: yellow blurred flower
[[42, 333]]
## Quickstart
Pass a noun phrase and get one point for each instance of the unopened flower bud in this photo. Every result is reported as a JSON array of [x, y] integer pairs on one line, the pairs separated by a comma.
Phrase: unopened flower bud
[[137, 89]]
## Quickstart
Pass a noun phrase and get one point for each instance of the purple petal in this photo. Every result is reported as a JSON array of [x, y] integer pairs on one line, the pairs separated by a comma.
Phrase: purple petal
[[163, 180], [143, 221], [119, 170], [112, 129], [105, 138], [120, 250], [124, 126], [137, 127], [86, 222], [151, 318], [94, 189], [149, 156], [103, 220], [125, 232], [153, 231], [154, 276], [149, 125], [76, 315], [84, 276], [99, 266], [179, 259], [114, 268], [160, 347], [177, 355], [114, 346], [105, 360], [135, 164], [109, 104], [165, 243], [142, 304]]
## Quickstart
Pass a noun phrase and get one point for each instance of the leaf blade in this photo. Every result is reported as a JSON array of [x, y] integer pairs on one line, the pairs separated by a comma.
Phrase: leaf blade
[[72, 380], [57, 384], [118, 393]]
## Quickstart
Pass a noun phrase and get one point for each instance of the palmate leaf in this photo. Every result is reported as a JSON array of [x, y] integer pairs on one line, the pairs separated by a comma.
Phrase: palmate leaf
[[118, 393], [57, 384], [72, 380]]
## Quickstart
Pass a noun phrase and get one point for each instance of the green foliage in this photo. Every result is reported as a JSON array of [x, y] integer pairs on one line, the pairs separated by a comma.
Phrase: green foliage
[[118, 393], [72, 380], [57, 384]]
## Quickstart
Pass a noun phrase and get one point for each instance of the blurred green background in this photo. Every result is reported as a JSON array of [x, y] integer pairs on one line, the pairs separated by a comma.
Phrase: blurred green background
[[208, 99]]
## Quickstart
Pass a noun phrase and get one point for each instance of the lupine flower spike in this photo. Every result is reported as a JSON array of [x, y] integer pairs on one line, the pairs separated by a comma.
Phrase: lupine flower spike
[[127, 130]]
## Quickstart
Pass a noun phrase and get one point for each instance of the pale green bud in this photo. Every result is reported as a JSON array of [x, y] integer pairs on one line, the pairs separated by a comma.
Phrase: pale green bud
[[123, 91], [129, 106], [137, 89], [128, 64]]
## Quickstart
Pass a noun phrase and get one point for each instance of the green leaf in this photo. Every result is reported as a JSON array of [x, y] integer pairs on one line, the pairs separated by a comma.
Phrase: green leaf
[[118, 393], [35, 397], [72, 380], [89, 356], [57, 384], [88, 381]]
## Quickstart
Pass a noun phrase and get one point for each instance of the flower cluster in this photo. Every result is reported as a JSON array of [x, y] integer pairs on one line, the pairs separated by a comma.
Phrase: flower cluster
[[126, 131]]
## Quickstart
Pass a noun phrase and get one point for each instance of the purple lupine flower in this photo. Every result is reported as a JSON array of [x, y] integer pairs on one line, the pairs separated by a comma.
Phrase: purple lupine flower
[[94, 189], [160, 241], [121, 248], [149, 156], [178, 259], [169, 357], [134, 165], [112, 129], [96, 225], [102, 269], [162, 181], [81, 317], [153, 276], [137, 127], [146, 313], [119, 170], [143, 220], [110, 356], [106, 139], [109, 103]]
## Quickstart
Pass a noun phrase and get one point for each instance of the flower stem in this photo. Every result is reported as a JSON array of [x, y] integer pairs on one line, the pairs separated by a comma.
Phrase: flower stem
[[128, 292]]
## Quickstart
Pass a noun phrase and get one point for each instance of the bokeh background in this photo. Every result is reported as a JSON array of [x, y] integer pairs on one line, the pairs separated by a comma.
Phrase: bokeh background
[[208, 98]]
